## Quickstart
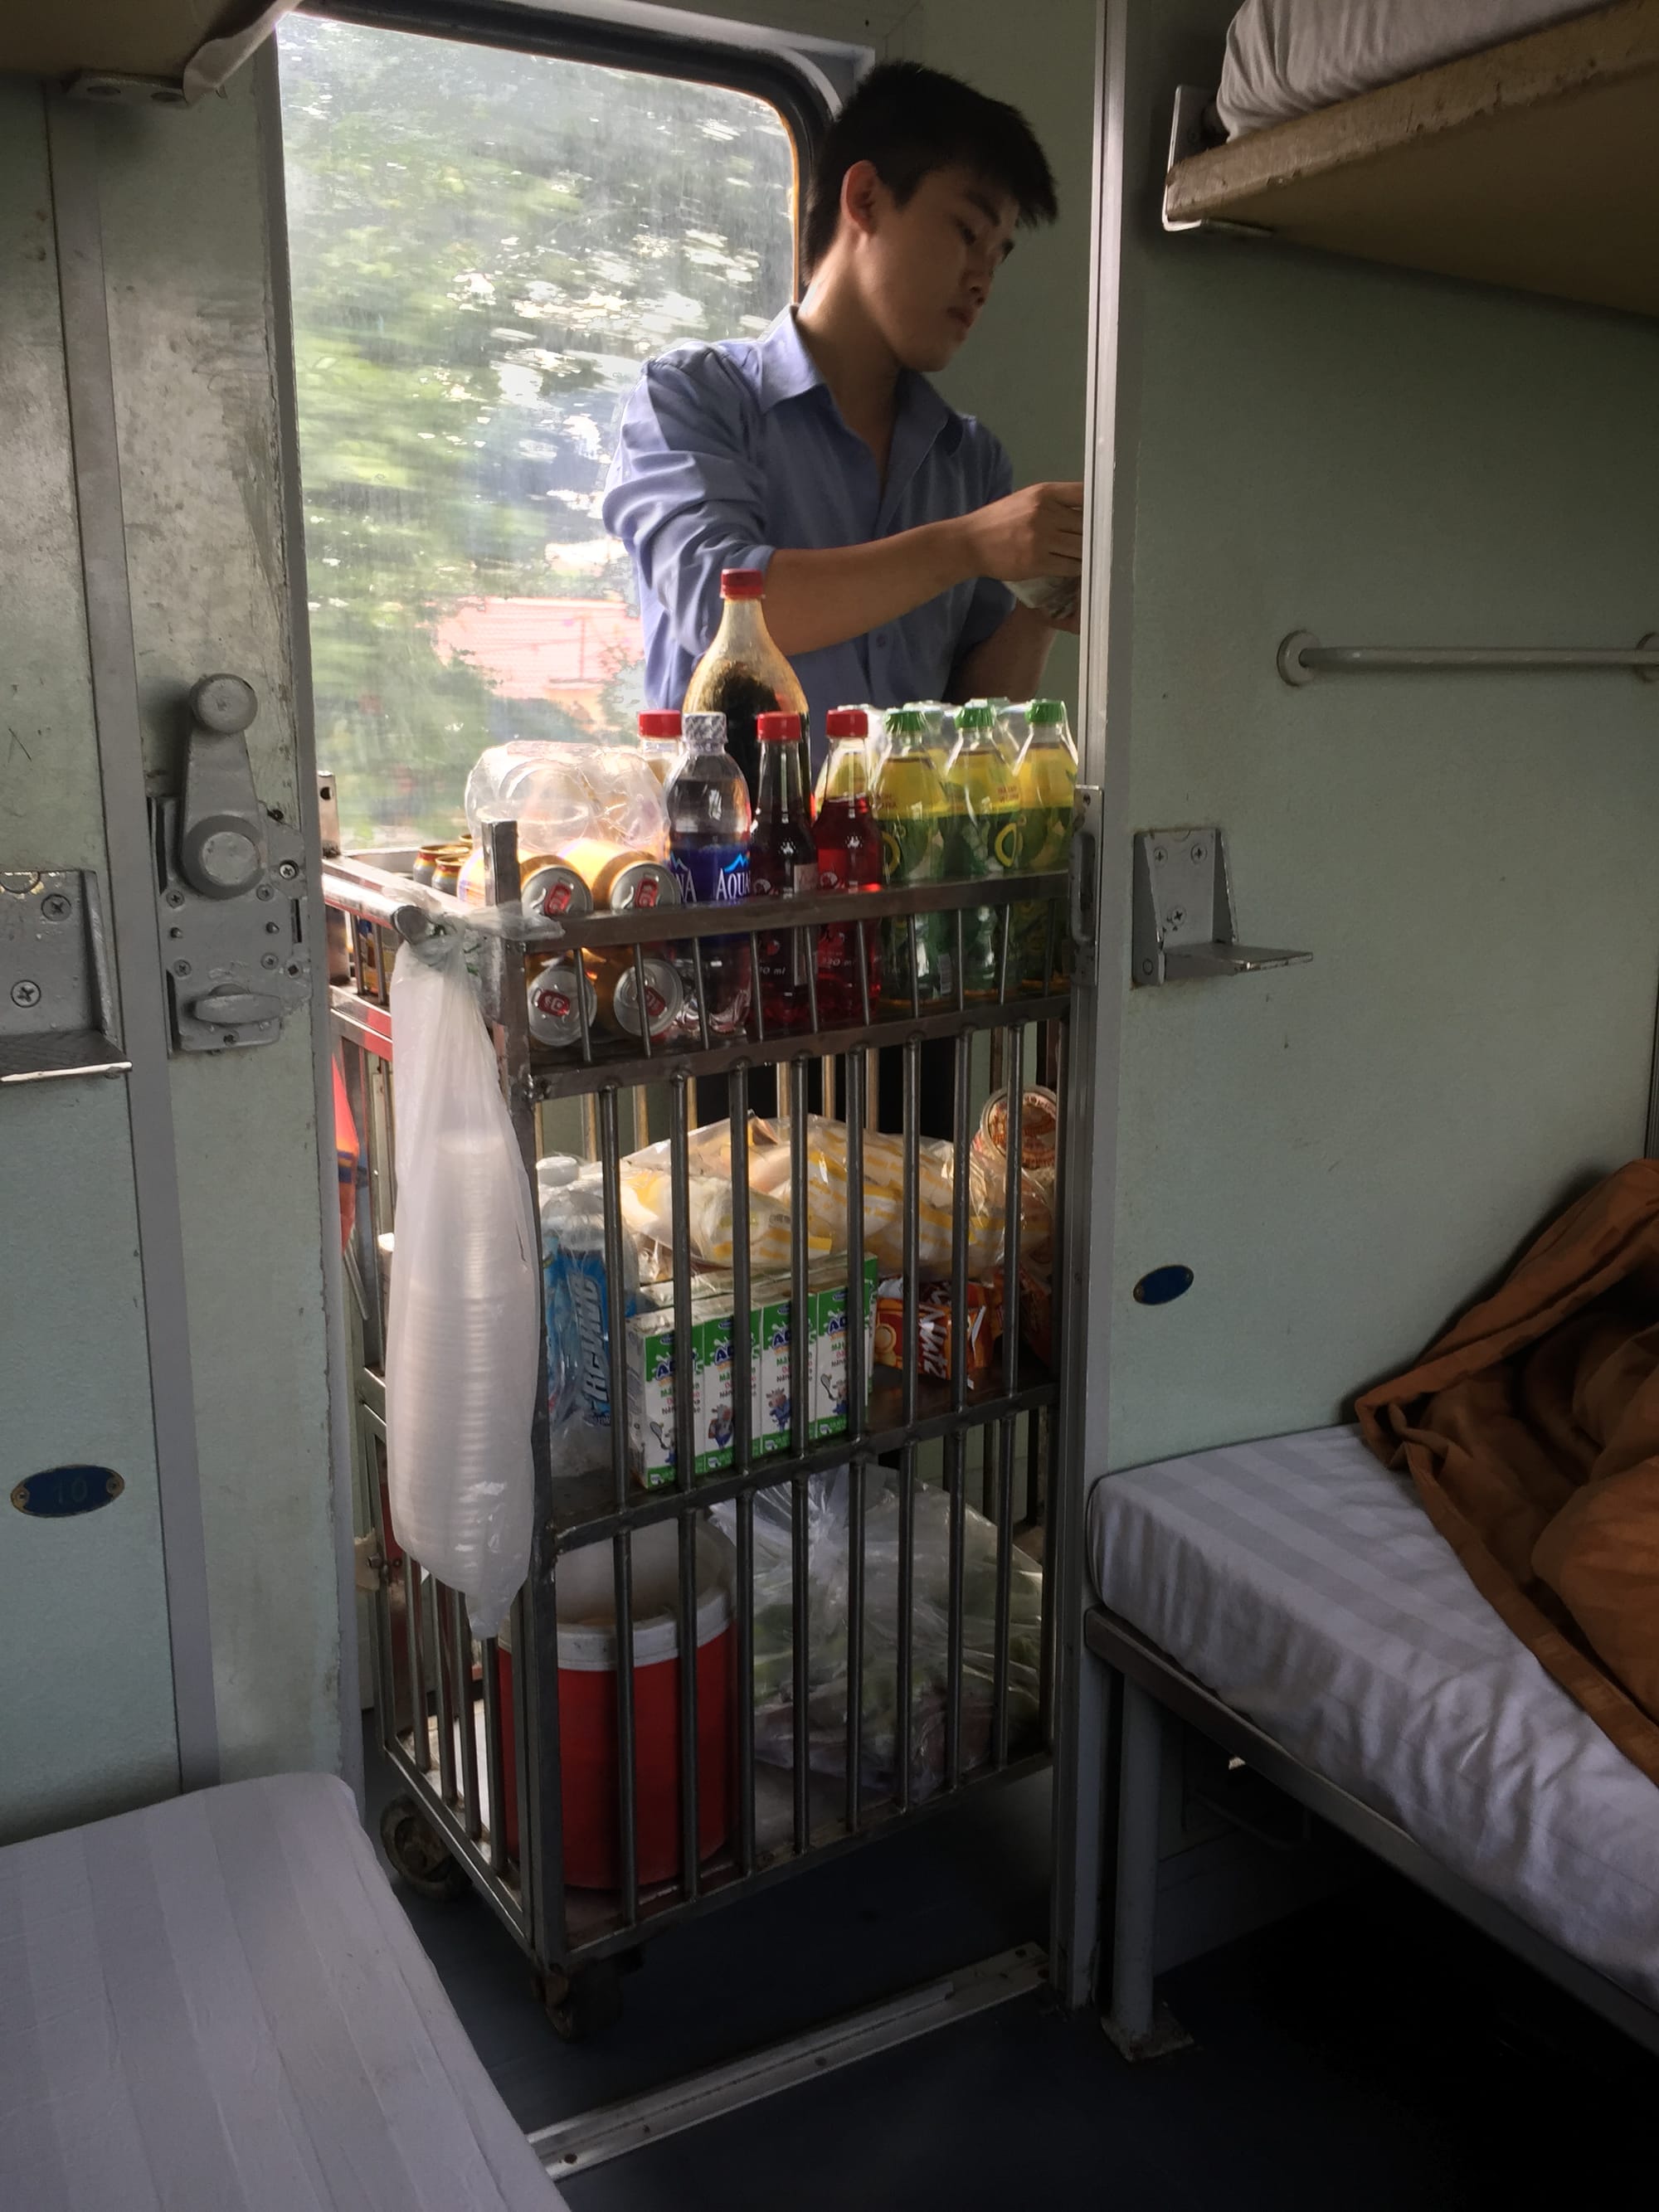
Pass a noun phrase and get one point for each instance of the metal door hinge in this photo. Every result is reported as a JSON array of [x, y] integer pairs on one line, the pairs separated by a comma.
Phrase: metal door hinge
[[1183, 912], [232, 882], [1082, 870]]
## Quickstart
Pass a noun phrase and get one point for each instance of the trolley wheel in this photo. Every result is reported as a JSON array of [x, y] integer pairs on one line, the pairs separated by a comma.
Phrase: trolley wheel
[[583, 2004], [419, 1853]]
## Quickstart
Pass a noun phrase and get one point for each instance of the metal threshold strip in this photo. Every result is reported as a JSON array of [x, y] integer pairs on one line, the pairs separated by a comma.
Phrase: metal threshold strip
[[611, 2130]]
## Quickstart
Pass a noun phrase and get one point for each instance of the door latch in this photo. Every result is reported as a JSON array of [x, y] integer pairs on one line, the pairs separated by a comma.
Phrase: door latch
[[231, 878]]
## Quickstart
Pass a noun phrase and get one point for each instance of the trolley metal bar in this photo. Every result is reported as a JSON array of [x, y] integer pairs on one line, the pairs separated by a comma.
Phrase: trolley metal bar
[[494, 1765], [912, 1224], [858, 1390], [536, 1662], [691, 1781], [648, 1506], [628, 1832], [385, 1687], [742, 1362], [442, 1599], [955, 1481], [685, 1474], [616, 1377], [1013, 1159], [799, 1243], [1056, 1421], [1301, 658], [801, 1745], [374, 892], [503, 1899], [959, 1368], [461, 1655], [856, 1482], [1004, 1434], [415, 1634], [617, 1064], [906, 1579], [955, 1468], [745, 1600]]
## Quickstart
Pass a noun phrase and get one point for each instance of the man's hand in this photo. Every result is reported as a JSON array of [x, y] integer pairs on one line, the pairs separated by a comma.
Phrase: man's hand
[[1037, 532]]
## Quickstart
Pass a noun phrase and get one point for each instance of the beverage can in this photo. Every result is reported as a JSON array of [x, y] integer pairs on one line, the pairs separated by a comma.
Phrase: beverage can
[[553, 986], [552, 888], [447, 862], [615, 978], [621, 879]]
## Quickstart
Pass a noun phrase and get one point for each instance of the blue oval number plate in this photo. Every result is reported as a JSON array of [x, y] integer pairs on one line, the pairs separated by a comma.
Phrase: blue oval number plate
[[59, 1491], [1162, 1284]]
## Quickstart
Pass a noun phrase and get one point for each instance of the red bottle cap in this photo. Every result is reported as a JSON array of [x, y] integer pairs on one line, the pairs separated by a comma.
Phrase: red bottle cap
[[742, 583], [778, 728], [659, 723], [847, 722]]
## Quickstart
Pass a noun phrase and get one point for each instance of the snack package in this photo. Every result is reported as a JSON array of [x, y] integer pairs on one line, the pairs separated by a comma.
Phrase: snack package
[[982, 1319]]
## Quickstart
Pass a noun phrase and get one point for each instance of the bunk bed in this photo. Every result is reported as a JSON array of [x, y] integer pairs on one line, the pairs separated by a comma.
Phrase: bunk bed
[[1290, 1599], [217, 2003], [1528, 164]]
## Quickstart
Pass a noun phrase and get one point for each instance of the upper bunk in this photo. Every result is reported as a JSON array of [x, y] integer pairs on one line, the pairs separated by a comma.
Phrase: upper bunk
[[1534, 164]]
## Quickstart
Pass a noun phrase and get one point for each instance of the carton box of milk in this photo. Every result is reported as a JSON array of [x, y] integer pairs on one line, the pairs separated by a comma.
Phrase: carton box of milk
[[653, 1371]]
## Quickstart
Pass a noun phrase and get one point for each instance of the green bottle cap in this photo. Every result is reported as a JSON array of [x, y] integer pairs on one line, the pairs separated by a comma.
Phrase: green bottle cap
[[976, 716], [1045, 710], [906, 722]]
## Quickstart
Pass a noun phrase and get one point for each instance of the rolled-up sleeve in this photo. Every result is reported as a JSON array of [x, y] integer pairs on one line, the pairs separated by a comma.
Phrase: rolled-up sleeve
[[685, 493], [992, 603]]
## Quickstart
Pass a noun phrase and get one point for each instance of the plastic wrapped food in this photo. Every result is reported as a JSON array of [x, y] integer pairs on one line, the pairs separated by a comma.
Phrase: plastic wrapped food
[[648, 1205], [883, 1180], [828, 1547]]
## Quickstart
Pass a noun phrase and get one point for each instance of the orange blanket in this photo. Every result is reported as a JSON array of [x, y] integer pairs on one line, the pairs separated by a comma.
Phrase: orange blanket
[[1532, 1431]]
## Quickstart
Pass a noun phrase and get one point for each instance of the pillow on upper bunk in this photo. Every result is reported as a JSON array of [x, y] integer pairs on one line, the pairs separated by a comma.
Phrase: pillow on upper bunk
[[1287, 57]]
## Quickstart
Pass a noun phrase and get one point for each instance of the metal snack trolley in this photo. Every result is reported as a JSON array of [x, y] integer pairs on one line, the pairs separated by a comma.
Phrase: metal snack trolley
[[473, 1731]]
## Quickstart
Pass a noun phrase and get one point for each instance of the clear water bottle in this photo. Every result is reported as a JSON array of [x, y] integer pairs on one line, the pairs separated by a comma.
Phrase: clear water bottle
[[708, 825]]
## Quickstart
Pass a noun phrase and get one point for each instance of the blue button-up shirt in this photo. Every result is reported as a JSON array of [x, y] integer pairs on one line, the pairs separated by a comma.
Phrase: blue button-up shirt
[[728, 452]]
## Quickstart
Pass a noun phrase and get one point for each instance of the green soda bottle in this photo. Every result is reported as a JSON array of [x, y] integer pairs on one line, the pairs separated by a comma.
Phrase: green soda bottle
[[908, 804], [984, 839], [1046, 777]]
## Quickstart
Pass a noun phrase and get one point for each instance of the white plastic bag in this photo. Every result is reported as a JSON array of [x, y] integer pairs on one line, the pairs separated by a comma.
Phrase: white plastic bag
[[462, 1335]]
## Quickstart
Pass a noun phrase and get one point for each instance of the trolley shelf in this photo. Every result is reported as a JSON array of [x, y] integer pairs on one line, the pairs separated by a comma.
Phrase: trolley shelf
[[585, 1506]]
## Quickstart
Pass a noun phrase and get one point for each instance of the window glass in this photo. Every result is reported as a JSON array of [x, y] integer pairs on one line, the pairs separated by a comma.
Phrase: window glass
[[484, 246]]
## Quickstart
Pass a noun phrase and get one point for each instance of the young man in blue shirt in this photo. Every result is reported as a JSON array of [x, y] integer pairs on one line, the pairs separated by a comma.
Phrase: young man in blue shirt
[[887, 523]]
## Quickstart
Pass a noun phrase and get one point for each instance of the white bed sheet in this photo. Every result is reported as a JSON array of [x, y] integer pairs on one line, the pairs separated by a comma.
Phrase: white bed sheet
[[1287, 57], [1302, 1583], [216, 2004]]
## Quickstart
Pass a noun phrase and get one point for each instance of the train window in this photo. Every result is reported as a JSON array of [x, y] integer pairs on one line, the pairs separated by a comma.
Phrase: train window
[[485, 243]]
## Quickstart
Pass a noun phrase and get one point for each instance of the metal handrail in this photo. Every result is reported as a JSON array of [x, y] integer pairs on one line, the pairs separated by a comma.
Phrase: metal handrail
[[1302, 658]]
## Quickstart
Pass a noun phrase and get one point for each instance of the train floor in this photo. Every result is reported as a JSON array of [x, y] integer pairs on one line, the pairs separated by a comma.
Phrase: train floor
[[1370, 2051]]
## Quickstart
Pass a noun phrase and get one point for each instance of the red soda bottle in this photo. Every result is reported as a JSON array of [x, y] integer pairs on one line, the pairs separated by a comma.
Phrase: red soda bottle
[[783, 863], [849, 860]]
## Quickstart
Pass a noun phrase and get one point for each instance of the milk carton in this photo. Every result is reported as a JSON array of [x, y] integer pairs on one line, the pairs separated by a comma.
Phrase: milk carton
[[653, 1371]]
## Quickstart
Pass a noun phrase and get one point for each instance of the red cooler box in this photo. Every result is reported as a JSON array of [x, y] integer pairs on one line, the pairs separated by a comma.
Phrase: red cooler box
[[587, 1707]]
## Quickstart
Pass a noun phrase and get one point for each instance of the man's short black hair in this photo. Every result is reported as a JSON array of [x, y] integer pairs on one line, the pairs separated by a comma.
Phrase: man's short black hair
[[908, 121]]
